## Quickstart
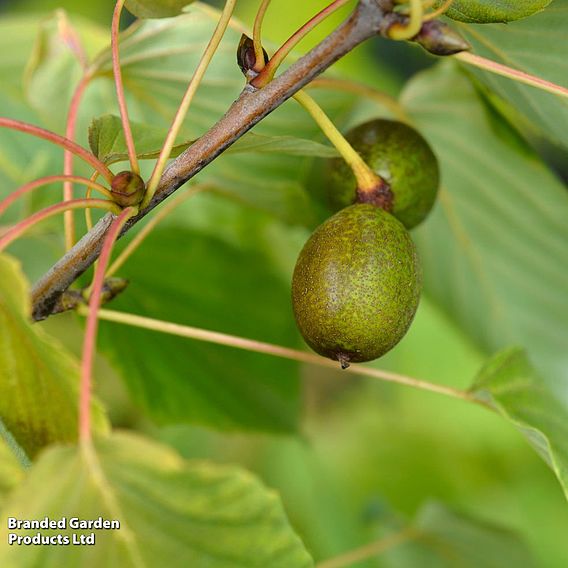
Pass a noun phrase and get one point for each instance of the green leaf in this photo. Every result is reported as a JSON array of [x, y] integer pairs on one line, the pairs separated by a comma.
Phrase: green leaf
[[494, 249], [188, 278], [281, 146], [106, 139], [38, 378], [487, 11], [442, 538], [511, 386], [537, 46], [156, 8], [171, 512], [11, 468]]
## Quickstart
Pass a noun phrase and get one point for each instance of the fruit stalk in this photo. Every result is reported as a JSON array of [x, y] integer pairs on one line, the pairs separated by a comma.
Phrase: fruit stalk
[[367, 180], [274, 350], [400, 31]]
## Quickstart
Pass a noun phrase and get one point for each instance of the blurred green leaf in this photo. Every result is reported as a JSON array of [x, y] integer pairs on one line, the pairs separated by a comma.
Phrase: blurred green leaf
[[17, 38], [494, 249], [106, 139], [188, 278], [510, 385], [61, 51], [11, 470], [442, 538], [538, 46], [487, 11], [39, 379], [171, 512], [55, 54], [22, 157], [38, 72], [156, 8]]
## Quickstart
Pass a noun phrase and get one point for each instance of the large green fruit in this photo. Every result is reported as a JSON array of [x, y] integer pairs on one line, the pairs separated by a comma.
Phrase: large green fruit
[[356, 285], [401, 156], [487, 11]]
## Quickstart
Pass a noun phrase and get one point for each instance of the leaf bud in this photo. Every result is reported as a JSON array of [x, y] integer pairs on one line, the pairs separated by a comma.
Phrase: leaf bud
[[112, 287], [440, 39], [127, 188], [246, 58]]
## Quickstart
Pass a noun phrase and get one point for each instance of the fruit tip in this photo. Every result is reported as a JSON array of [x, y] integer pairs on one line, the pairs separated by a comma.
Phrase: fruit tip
[[343, 360]]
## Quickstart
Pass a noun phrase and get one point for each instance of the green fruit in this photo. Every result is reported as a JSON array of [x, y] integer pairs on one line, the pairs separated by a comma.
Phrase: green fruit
[[488, 11], [356, 285], [401, 156]]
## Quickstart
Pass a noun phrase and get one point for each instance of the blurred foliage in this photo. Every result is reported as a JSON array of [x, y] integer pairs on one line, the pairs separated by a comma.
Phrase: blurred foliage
[[38, 378], [369, 456], [100, 11], [228, 518], [535, 45]]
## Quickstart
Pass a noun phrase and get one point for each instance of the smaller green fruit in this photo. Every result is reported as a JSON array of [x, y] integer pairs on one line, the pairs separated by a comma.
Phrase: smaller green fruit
[[356, 285], [399, 155]]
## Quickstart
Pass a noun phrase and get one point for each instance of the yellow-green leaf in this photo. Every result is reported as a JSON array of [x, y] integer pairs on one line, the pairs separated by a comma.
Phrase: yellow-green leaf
[[11, 466], [38, 378], [172, 512]]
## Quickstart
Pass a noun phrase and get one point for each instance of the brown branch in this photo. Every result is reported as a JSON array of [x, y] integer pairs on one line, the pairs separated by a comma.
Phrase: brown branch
[[249, 109]]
